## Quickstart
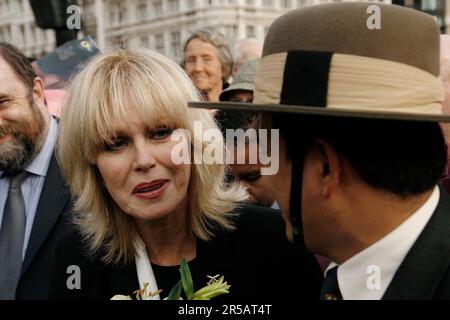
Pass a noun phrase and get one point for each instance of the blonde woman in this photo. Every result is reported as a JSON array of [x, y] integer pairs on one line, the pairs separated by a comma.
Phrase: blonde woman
[[138, 211]]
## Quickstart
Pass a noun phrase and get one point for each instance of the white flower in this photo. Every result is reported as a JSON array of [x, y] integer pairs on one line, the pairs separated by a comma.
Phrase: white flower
[[121, 297]]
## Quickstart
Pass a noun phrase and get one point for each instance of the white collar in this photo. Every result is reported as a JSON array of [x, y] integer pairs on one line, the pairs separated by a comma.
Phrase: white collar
[[367, 275], [39, 165], [144, 269]]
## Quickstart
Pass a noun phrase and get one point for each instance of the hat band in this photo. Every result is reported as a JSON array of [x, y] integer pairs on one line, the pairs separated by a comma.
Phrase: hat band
[[346, 82]]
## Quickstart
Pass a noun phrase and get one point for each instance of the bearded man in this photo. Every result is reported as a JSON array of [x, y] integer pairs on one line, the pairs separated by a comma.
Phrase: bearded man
[[33, 197]]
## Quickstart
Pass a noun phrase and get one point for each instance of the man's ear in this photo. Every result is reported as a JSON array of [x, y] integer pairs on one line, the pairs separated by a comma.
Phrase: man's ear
[[331, 168], [38, 91]]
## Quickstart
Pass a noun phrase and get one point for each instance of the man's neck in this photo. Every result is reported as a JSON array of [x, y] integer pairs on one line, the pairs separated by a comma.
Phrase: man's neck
[[371, 216]]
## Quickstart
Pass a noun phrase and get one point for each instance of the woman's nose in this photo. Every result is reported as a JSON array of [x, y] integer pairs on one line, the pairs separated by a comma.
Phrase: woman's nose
[[198, 65], [144, 157]]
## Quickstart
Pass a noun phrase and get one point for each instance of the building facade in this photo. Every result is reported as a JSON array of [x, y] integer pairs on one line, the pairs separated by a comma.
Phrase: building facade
[[438, 8], [17, 26], [162, 25]]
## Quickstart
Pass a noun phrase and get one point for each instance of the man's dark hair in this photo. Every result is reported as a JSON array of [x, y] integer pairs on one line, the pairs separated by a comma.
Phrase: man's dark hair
[[19, 63], [403, 157], [234, 119]]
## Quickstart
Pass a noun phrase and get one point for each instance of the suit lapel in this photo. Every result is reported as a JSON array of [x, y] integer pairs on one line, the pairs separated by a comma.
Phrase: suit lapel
[[53, 198], [420, 272]]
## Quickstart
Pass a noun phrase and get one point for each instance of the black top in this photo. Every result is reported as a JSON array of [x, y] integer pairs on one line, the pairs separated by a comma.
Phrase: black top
[[168, 276], [256, 259]]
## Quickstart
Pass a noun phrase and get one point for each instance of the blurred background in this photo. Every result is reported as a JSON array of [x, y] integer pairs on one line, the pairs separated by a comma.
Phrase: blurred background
[[37, 27]]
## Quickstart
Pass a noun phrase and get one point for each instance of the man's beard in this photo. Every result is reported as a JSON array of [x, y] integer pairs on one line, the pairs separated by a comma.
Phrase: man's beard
[[25, 143]]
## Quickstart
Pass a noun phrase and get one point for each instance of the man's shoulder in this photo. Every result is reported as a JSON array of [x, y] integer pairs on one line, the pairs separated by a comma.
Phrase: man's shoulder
[[427, 263], [440, 221], [257, 222], [251, 216], [72, 245], [71, 239]]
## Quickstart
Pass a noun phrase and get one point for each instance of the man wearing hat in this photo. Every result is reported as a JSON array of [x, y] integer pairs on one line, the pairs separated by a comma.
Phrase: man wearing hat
[[358, 111], [241, 90], [249, 174]]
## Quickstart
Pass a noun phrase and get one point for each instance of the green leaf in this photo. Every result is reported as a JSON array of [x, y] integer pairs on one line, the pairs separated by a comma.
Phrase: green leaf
[[186, 279], [175, 292]]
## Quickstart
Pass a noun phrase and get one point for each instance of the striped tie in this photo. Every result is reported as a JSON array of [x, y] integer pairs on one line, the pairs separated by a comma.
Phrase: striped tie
[[330, 286], [12, 233]]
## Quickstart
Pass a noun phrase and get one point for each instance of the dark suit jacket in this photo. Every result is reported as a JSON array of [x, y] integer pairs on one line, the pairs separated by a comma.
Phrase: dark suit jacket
[[256, 260], [425, 271], [49, 223]]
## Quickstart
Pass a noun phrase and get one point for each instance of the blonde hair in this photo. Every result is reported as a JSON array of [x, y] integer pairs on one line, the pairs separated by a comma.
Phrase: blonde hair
[[98, 95]]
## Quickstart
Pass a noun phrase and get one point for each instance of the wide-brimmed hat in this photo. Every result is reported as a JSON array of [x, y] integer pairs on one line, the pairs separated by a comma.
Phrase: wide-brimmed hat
[[349, 59], [244, 79]]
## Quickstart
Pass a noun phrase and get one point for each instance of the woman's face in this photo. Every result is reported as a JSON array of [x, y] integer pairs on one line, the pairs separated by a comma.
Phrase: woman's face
[[139, 173], [203, 65]]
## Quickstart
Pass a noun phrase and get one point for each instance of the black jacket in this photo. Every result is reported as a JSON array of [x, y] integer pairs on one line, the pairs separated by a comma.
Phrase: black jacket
[[425, 271], [50, 222], [256, 259]]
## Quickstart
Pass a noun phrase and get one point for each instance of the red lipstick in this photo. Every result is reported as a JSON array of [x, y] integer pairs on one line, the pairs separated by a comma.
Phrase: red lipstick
[[151, 190]]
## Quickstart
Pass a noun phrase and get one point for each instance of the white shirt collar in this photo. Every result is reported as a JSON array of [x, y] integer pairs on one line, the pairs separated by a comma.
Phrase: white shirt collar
[[39, 165], [144, 269], [275, 206], [367, 275]]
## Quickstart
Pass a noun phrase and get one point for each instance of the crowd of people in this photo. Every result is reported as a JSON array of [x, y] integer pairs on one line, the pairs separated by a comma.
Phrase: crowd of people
[[356, 210]]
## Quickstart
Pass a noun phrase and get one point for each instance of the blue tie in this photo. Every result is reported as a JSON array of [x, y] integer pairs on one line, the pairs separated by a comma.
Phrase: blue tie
[[330, 287]]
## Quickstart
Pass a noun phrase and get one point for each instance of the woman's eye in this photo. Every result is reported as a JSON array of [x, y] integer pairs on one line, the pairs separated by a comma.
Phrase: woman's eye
[[116, 144], [161, 133]]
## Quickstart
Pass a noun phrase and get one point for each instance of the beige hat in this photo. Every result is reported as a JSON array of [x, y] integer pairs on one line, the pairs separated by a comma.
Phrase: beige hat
[[332, 60]]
